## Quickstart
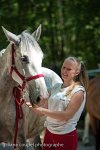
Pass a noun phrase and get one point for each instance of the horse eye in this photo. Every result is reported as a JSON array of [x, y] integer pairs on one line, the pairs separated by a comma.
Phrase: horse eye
[[24, 58]]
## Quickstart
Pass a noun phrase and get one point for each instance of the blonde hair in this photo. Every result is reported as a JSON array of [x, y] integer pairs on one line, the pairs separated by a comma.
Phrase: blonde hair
[[81, 78]]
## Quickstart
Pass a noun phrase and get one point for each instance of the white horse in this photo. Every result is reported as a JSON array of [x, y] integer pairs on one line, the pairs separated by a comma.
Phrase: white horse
[[21, 75]]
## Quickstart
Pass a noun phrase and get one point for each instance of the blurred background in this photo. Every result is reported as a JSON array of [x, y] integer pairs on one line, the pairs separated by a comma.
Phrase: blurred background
[[69, 27]]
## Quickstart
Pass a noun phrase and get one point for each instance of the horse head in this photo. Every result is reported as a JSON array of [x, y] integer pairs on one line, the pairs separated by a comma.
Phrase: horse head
[[24, 60]]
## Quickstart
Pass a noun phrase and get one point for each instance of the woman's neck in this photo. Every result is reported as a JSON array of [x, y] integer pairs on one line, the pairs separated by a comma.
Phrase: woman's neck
[[66, 84]]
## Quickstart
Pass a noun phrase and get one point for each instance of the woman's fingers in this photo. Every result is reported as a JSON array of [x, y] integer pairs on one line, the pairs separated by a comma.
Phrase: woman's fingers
[[28, 104]]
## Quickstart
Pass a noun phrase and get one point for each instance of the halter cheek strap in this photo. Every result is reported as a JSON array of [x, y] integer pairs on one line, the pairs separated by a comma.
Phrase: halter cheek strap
[[17, 91]]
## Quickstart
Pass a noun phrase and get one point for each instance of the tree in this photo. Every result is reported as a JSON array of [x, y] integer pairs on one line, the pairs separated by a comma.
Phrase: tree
[[68, 27]]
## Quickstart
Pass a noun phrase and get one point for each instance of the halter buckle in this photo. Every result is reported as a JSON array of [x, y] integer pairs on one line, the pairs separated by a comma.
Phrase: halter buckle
[[13, 66]]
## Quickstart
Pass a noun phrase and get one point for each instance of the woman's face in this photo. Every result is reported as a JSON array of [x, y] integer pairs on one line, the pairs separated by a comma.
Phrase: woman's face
[[69, 70]]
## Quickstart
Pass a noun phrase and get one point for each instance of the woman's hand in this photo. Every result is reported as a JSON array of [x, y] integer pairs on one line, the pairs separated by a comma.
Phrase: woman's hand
[[38, 110], [35, 108]]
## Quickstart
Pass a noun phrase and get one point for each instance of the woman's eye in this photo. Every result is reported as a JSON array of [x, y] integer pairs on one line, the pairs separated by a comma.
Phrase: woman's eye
[[63, 67], [68, 69], [24, 58]]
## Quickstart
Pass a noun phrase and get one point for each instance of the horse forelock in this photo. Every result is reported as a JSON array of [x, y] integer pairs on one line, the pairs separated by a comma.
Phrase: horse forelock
[[27, 41]]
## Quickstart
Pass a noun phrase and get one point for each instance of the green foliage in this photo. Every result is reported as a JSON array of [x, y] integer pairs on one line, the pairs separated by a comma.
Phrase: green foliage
[[69, 27]]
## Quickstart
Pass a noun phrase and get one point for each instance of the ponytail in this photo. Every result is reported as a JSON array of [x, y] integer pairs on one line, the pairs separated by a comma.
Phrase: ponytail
[[82, 77]]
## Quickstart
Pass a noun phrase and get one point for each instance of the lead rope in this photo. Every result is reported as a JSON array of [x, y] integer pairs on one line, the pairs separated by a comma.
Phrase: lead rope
[[19, 111]]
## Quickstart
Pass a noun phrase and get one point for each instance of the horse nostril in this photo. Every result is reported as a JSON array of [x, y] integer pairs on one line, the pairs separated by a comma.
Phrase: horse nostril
[[38, 99]]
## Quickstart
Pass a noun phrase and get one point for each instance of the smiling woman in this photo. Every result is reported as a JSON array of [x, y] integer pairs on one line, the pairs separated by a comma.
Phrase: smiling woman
[[65, 105]]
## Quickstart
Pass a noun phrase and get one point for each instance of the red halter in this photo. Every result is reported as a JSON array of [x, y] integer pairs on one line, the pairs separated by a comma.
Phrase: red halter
[[17, 92], [13, 67]]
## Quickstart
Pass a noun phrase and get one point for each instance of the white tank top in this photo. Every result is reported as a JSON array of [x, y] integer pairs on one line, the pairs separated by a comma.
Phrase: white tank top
[[58, 102]]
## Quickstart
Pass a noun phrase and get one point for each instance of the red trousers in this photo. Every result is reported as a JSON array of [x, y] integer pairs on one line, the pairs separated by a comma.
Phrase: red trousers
[[60, 142]]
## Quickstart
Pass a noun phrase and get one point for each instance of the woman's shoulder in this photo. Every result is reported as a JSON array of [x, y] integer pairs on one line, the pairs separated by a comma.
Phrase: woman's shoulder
[[78, 88]]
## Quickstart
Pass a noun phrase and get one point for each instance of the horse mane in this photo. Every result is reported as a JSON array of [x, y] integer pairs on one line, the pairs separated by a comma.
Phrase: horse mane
[[2, 52]]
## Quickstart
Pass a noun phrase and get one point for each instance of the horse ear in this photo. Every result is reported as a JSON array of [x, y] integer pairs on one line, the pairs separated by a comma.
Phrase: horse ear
[[36, 34], [10, 36]]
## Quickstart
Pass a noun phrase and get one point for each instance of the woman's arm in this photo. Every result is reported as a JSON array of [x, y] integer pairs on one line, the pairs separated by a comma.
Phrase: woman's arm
[[71, 109]]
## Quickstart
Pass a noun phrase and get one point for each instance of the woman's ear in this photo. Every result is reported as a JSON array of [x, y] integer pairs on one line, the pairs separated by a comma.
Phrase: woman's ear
[[77, 72]]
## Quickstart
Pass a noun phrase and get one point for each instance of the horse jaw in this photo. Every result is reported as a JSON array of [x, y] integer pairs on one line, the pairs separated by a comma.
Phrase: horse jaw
[[10, 36]]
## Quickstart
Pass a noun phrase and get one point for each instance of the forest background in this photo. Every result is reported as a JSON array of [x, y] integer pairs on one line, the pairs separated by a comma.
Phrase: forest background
[[69, 27]]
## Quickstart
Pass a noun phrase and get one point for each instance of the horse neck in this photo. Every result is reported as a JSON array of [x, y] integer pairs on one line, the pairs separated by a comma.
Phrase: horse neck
[[6, 81]]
